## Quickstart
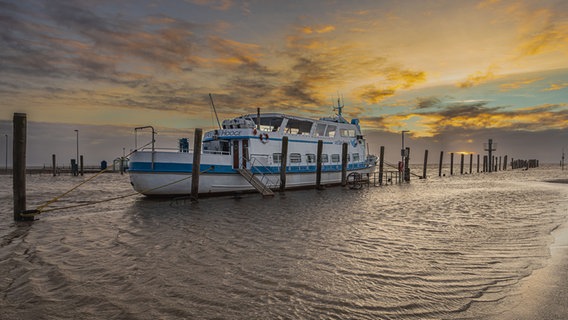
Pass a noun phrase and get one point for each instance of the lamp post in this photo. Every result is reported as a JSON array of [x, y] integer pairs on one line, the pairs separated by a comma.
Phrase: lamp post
[[403, 155]]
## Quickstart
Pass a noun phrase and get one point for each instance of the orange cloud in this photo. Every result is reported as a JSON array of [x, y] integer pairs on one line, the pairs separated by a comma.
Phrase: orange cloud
[[556, 86], [478, 78], [319, 29], [517, 84]]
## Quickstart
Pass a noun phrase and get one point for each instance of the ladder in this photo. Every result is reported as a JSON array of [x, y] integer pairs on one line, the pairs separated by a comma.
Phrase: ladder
[[255, 182]]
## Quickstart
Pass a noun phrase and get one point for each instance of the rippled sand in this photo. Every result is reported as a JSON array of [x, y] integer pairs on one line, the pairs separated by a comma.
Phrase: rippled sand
[[442, 248]]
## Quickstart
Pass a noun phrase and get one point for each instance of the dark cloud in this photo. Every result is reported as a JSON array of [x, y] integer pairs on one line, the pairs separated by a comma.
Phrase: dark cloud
[[428, 102]]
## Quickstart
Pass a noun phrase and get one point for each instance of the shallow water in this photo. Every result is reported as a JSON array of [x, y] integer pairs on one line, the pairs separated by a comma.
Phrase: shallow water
[[449, 248]]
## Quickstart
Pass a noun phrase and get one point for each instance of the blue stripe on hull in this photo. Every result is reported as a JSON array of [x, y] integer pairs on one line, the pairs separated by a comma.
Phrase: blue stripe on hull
[[188, 167]]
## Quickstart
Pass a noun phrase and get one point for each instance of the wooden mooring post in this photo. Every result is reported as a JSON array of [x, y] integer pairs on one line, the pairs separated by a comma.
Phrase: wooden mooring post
[[344, 164], [451, 164], [53, 165], [318, 164], [440, 166], [381, 164], [407, 165], [283, 162], [197, 137], [504, 163], [478, 163], [425, 164], [19, 166], [470, 162], [461, 163], [81, 164]]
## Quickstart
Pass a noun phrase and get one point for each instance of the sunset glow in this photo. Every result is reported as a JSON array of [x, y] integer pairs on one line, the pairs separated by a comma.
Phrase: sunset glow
[[452, 71]]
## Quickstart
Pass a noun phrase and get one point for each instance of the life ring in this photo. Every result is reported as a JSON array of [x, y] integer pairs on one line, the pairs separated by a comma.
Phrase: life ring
[[263, 137]]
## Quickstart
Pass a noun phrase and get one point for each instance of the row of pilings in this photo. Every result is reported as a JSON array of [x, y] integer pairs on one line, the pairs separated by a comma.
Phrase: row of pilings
[[482, 165], [403, 173]]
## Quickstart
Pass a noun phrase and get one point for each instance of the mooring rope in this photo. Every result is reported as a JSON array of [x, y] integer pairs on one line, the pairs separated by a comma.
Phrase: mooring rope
[[47, 203], [42, 208]]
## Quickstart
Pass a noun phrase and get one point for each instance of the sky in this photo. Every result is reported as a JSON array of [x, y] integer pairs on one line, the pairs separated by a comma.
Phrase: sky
[[452, 73]]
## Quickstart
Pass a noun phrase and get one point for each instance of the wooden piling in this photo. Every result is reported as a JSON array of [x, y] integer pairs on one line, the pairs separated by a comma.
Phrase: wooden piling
[[461, 163], [485, 164], [344, 164], [504, 163], [53, 166], [440, 166], [425, 164], [197, 137], [81, 164], [283, 163], [407, 165], [478, 163], [19, 165], [451, 164], [318, 166], [381, 164], [470, 162]]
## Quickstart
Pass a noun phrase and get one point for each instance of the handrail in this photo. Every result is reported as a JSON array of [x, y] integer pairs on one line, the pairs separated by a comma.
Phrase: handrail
[[266, 180]]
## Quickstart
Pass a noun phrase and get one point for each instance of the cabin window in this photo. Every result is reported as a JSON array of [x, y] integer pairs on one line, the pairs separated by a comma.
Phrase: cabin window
[[301, 127], [335, 158], [320, 130], [217, 146], [355, 157], [271, 124], [295, 158], [330, 131], [324, 158], [347, 132], [277, 158], [310, 158]]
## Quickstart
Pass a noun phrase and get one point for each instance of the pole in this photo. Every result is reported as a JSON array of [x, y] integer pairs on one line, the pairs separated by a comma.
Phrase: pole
[[53, 165], [461, 163], [505, 163], [451, 164], [318, 167], [406, 165], [81, 164], [76, 173], [440, 166], [19, 165], [403, 155], [258, 119], [283, 163], [381, 164], [197, 136], [478, 163], [470, 162], [425, 164], [344, 164]]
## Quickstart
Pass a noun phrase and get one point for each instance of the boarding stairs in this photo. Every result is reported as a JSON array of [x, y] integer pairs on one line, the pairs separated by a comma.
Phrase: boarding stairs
[[255, 182]]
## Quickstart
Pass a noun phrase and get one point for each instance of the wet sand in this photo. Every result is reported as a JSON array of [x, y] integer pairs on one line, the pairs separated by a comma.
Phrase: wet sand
[[544, 294]]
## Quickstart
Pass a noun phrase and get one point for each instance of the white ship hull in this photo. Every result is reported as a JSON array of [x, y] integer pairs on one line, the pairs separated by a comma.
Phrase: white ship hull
[[225, 151]]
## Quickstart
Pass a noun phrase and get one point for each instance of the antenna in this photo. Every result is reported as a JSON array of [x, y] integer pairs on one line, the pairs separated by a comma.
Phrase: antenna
[[211, 98]]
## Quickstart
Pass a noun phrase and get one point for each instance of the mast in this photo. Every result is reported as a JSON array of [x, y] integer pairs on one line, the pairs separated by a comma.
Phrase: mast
[[214, 110]]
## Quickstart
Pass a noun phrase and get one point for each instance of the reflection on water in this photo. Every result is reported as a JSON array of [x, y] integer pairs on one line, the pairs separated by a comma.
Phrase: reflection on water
[[428, 250]]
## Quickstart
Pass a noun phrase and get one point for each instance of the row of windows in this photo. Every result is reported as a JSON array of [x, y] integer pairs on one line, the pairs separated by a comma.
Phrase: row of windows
[[311, 158], [304, 127]]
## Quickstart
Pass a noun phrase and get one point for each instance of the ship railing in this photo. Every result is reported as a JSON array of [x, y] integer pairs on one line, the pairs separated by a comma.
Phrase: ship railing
[[259, 167]]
